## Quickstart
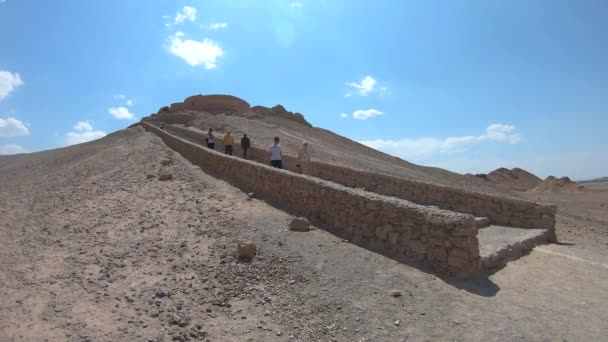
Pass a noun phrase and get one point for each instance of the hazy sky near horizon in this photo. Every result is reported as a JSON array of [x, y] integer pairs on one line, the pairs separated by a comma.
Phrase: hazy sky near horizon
[[464, 85]]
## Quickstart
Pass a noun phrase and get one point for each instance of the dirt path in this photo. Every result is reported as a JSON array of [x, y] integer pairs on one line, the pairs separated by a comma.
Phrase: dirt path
[[93, 250]]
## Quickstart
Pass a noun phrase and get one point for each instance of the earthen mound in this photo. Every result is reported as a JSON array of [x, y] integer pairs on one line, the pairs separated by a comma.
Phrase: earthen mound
[[553, 184], [222, 112], [513, 179]]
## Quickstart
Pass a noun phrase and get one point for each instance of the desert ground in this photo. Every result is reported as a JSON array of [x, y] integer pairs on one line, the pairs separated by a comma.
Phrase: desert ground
[[96, 248]]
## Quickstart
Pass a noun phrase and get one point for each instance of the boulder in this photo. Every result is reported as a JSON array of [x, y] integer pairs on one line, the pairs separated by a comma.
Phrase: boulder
[[299, 224], [246, 249], [165, 177]]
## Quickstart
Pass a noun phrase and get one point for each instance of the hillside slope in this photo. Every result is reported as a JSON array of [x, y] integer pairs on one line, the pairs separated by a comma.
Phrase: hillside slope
[[514, 179], [262, 124]]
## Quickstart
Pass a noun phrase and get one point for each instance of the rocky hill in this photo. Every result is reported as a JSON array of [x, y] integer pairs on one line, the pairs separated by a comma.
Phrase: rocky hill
[[514, 179], [223, 112], [553, 184]]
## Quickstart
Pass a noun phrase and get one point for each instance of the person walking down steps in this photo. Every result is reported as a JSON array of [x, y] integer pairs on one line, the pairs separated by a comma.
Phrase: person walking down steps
[[210, 139], [228, 142], [274, 151], [245, 145], [303, 158]]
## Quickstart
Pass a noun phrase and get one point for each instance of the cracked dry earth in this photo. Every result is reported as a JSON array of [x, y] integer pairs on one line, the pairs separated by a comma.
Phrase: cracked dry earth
[[94, 247]]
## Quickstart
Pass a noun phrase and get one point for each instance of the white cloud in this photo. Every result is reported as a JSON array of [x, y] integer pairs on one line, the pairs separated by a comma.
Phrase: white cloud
[[121, 113], [12, 127], [8, 83], [194, 52], [343, 115], [12, 148], [498, 132], [295, 4], [122, 99], [421, 148], [363, 88], [83, 126], [366, 114], [218, 26], [187, 13], [84, 132]]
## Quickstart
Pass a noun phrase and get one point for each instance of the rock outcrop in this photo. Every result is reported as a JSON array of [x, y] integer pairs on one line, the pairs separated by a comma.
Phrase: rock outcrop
[[514, 179], [553, 184], [281, 112]]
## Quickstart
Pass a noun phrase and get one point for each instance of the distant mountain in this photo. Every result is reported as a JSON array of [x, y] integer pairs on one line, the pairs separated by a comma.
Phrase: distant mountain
[[514, 179], [553, 184], [596, 180]]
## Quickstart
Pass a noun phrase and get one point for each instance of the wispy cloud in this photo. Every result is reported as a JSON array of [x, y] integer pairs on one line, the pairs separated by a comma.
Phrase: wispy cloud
[[123, 100], [194, 52], [83, 126], [121, 113], [12, 127], [295, 4], [12, 148], [187, 13], [363, 88], [362, 114], [218, 26], [421, 148], [343, 116], [8, 83], [83, 132]]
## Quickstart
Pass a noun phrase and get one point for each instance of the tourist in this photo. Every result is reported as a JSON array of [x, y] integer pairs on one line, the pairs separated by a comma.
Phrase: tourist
[[245, 145], [228, 142], [274, 151], [210, 139], [303, 158]]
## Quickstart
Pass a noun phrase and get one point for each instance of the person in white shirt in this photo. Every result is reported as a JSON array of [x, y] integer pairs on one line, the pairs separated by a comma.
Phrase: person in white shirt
[[303, 158], [276, 158]]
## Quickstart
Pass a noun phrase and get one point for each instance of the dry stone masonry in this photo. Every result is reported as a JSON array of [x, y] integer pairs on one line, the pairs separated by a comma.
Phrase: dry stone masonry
[[498, 210], [395, 227]]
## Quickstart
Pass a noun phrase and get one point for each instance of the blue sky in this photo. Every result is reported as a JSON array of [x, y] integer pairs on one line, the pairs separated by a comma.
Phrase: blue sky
[[464, 85]]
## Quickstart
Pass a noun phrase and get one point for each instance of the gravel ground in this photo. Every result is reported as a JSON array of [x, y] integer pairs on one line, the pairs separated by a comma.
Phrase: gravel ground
[[96, 248]]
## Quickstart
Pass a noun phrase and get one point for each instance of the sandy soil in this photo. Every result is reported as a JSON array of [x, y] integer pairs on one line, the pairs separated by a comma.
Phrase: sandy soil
[[94, 250]]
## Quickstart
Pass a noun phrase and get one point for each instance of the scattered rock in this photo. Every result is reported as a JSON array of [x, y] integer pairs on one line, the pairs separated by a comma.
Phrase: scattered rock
[[163, 292], [397, 322], [166, 162], [299, 224], [246, 249], [165, 177], [149, 175], [395, 293]]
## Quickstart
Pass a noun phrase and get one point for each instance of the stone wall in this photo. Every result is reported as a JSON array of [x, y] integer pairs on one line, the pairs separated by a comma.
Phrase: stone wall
[[397, 228], [499, 210]]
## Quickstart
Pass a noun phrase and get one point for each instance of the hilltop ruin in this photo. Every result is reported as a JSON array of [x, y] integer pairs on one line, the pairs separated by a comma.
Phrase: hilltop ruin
[[455, 230]]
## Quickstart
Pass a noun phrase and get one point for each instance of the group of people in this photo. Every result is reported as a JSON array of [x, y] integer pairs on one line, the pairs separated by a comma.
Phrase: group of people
[[275, 153]]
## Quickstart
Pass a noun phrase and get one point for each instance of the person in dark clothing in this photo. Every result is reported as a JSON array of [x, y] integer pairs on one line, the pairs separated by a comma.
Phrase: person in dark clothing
[[210, 139], [245, 145]]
